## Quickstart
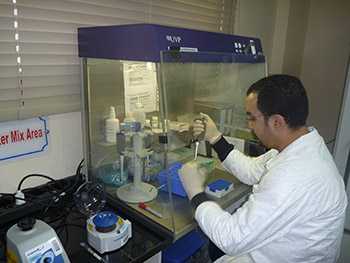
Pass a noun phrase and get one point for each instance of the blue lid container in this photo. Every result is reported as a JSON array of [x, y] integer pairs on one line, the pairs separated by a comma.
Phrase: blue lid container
[[173, 171], [105, 219], [219, 185]]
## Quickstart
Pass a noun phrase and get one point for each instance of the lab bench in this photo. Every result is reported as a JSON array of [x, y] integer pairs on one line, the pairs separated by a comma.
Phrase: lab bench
[[143, 244], [150, 234], [183, 221], [70, 226]]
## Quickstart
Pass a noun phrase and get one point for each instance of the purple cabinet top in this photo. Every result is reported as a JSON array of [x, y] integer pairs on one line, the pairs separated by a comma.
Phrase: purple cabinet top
[[144, 42]]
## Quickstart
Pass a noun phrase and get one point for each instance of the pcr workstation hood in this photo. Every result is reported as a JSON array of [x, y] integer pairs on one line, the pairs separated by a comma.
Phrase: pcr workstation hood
[[143, 85]]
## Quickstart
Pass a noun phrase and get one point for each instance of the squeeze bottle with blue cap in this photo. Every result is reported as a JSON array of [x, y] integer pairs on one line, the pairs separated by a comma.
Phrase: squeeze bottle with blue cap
[[111, 126]]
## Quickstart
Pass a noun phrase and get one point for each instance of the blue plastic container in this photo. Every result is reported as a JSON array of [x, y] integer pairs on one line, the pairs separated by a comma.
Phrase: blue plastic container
[[105, 219], [182, 250], [173, 171]]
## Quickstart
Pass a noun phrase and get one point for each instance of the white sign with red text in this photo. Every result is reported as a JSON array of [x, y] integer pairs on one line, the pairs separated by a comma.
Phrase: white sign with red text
[[21, 138]]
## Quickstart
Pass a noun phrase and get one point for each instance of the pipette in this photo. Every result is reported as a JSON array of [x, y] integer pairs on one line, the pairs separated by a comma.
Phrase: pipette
[[198, 138], [196, 144]]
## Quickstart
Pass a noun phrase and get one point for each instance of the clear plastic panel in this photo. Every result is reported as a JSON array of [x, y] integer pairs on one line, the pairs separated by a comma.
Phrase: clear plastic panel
[[129, 164], [151, 100], [215, 88], [191, 85]]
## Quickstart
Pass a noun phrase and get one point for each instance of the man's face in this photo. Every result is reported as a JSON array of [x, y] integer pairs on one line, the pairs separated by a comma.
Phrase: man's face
[[257, 121]]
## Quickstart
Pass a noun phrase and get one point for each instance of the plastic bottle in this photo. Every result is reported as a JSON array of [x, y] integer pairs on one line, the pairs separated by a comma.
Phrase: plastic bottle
[[154, 122], [111, 126], [148, 123], [139, 114]]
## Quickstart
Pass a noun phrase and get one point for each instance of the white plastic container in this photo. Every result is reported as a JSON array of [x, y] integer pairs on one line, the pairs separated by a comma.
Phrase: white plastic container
[[34, 243], [111, 126], [139, 114], [154, 122]]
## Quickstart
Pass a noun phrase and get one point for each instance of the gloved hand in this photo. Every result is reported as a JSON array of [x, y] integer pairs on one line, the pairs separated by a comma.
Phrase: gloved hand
[[206, 125], [192, 178]]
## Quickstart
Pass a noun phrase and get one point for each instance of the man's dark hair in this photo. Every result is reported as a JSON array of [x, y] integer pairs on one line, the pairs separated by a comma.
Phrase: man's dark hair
[[284, 95]]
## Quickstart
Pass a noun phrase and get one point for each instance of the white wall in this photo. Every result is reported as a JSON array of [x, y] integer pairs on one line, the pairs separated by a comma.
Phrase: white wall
[[326, 51], [257, 18], [310, 39], [289, 36], [276, 59], [295, 36], [60, 160]]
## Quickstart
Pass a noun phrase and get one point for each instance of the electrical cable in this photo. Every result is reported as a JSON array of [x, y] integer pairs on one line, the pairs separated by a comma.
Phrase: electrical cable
[[61, 216], [15, 197], [67, 189], [62, 205], [55, 190], [6, 194], [77, 176], [24, 199], [34, 175], [56, 196]]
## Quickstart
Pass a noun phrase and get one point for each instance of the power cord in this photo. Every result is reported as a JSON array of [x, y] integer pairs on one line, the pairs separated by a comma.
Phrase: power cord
[[68, 189], [53, 194], [57, 194], [77, 174], [26, 199], [33, 175]]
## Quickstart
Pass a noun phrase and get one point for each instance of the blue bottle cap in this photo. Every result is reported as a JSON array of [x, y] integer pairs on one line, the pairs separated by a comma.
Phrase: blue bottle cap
[[136, 126], [105, 219]]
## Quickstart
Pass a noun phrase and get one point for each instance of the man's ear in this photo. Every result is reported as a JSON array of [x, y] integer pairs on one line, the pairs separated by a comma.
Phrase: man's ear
[[277, 121]]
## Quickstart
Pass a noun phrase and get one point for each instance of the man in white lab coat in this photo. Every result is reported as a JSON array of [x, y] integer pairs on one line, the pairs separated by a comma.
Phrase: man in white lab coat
[[297, 207]]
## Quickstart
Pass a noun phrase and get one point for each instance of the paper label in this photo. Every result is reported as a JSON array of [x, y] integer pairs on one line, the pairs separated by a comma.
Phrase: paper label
[[50, 251], [140, 82], [24, 137]]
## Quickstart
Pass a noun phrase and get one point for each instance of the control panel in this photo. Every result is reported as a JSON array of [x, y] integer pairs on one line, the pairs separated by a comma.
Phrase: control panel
[[244, 47]]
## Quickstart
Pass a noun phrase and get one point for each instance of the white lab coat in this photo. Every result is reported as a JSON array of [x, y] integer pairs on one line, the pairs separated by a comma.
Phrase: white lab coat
[[295, 213]]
